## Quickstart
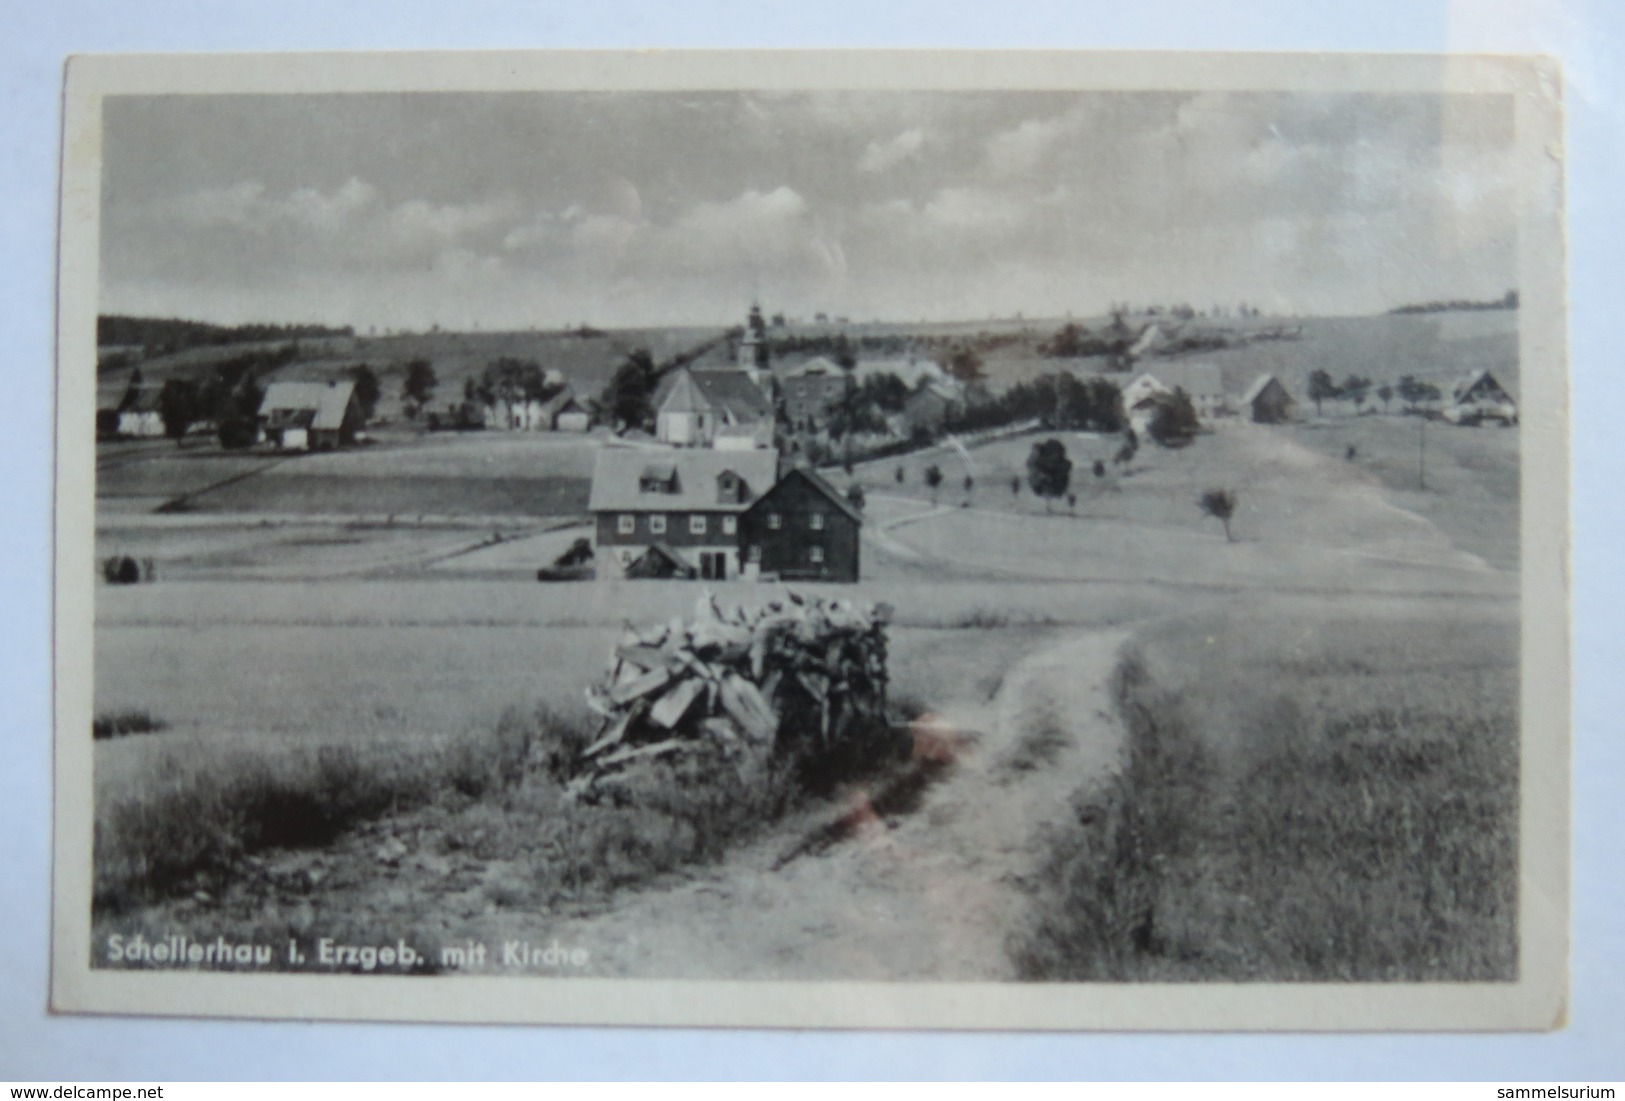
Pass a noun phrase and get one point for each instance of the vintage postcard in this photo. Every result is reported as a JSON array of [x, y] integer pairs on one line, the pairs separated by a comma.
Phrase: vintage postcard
[[843, 539]]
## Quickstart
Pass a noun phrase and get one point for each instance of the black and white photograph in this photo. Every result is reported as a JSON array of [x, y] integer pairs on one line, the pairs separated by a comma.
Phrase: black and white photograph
[[997, 540]]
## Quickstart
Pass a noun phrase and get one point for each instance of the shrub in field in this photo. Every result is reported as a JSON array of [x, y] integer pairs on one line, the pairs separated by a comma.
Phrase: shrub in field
[[119, 723], [1221, 505], [1173, 421]]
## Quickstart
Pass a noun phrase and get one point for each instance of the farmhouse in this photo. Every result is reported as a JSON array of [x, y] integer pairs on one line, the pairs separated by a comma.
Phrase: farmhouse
[[1267, 401], [681, 509], [1140, 399], [138, 414], [723, 409], [310, 416], [927, 408], [810, 389], [802, 529], [1480, 397], [565, 413]]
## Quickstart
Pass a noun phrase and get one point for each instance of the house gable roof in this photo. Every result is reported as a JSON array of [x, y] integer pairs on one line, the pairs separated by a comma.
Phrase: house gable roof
[[618, 474], [819, 483], [1260, 384], [146, 401], [1480, 378], [726, 393], [326, 402], [734, 394], [682, 396]]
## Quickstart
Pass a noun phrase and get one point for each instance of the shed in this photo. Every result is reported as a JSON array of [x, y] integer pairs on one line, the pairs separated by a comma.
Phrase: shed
[[1267, 401]]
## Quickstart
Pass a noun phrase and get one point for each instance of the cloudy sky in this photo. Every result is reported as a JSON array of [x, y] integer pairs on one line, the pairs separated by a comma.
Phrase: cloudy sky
[[520, 209]]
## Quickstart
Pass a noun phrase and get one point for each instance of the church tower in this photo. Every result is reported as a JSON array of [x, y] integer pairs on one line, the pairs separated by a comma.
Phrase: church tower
[[753, 347]]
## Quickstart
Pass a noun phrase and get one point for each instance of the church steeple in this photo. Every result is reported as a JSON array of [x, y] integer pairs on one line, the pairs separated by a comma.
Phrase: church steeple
[[753, 346]]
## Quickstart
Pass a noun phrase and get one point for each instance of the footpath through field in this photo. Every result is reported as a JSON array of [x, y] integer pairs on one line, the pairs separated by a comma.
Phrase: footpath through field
[[930, 892]]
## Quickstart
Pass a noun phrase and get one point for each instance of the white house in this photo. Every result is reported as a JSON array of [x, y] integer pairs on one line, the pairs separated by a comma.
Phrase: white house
[[1480, 397], [140, 417], [723, 409]]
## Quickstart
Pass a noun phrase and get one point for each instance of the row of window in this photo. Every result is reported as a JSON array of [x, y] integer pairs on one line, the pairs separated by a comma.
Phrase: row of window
[[627, 523]]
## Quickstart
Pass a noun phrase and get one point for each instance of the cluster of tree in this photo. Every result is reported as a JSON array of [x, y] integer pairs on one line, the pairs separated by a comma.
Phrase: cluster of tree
[[1049, 471], [1057, 401], [1184, 311], [165, 335], [1173, 420], [510, 380], [628, 397], [984, 341], [229, 396], [836, 345], [1075, 341], [1358, 388], [418, 386], [1508, 301]]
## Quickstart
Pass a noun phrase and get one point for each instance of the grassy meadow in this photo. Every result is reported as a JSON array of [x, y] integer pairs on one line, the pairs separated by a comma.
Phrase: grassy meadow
[[1307, 798], [343, 654]]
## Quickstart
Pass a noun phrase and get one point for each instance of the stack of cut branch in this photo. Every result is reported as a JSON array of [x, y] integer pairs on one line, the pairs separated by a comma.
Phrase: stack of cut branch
[[801, 675]]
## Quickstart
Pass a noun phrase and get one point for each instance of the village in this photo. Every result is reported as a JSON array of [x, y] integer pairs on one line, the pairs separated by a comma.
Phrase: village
[[744, 455]]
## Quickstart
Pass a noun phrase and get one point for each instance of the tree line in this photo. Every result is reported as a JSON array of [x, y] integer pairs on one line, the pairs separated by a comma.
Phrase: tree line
[[166, 335]]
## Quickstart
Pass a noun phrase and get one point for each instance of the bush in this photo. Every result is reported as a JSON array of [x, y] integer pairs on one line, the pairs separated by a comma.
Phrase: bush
[[237, 433], [120, 723]]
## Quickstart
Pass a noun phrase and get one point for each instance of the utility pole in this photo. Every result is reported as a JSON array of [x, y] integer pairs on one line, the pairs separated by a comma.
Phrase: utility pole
[[1422, 452]]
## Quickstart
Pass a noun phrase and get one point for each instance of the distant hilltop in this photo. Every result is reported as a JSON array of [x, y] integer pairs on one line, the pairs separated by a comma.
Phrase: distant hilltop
[[165, 335], [1508, 301]]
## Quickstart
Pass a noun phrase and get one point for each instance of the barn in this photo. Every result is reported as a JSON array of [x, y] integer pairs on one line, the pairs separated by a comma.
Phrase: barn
[[802, 529], [311, 416], [1267, 401]]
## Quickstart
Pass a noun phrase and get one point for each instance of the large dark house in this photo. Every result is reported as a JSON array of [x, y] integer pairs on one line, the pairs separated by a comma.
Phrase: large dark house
[[803, 530], [718, 515], [675, 513]]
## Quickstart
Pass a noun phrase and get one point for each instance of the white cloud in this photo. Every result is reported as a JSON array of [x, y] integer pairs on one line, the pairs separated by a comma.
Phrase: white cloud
[[881, 156], [1023, 149]]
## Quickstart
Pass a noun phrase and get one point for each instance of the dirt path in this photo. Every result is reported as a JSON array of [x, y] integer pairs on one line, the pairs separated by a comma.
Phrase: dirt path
[[931, 893]]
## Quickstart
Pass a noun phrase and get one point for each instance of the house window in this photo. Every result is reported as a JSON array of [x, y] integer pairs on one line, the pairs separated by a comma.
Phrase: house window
[[774, 521], [816, 521], [696, 525], [657, 525], [815, 555], [730, 525], [755, 553], [626, 525]]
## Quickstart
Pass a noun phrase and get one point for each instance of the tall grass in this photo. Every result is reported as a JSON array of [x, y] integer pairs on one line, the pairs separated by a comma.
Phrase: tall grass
[[496, 795], [1346, 836], [202, 815]]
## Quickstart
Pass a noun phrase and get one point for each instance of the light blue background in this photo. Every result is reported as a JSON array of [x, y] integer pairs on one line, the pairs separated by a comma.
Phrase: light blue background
[[35, 35]]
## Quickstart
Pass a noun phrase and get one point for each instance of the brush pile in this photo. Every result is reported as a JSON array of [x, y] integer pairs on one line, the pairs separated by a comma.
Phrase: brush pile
[[798, 676]]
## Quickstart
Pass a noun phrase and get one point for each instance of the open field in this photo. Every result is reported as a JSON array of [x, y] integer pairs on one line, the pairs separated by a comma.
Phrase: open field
[[1308, 798], [477, 474], [1328, 700]]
